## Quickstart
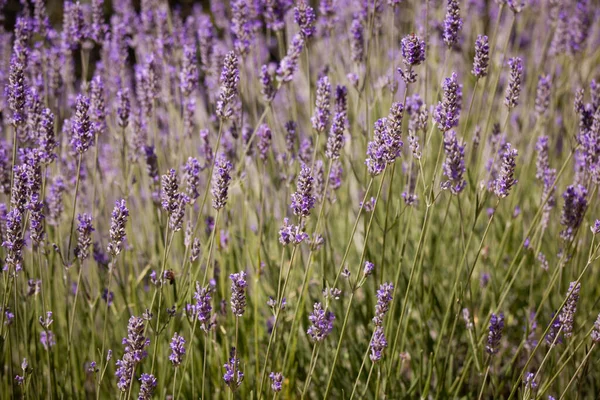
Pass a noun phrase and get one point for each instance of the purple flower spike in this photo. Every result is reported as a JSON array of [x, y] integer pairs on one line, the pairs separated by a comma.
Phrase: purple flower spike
[[506, 180], [378, 344], [177, 350], [482, 57], [322, 323], [303, 199], [495, 334], [452, 23], [120, 215], [454, 166], [220, 182], [83, 132], [238, 293], [304, 16], [513, 91], [320, 118], [230, 77], [447, 111], [276, 381]]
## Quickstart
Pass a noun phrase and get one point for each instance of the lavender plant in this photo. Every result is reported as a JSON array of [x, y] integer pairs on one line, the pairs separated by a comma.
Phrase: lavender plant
[[215, 199]]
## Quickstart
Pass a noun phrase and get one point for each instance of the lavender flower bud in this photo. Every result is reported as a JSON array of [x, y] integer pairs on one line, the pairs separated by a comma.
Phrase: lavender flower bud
[[268, 89], [335, 140], [82, 130], [264, 141], [169, 193], [447, 111], [276, 381], [567, 314], [303, 200], [580, 26], [378, 344], [454, 166], [357, 41], [482, 57], [452, 23], [84, 236], [123, 108], [229, 86], [322, 113], [506, 180], [188, 77], [513, 91], [321, 323], [289, 63], [16, 92], [495, 334], [304, 16], [573, 211], [177, 350], [191, 175], [135, 345], [543, 92], [238, 293], [220, 182], [147, 387], [233, 376], [240, 26], [595, 335], [13, 242], [118, 221], [384, 298]]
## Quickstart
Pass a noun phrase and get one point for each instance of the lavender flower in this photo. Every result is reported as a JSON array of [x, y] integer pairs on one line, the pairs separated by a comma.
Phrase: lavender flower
[[118, 221], [268, 89], [289, 63], [495, 334], [452, 23], [238, 293], [191, 175], [413, 53], [276, 381], [123, 108], [220, 182], [13, 242], [447, 111], [47, 339], [264, 141], [321, 323], [135, 345], [506, 180], [177, 350], [357, 40], [304, 16], [84, 236], [303, 199], [482, 57], [573, 211], [202, 308], [579, 26], [567, 315], [595, 335], [16, 92], [542, 98], [378, 344], [83, 132], [233, 376], [36, 220], [384, 298], [335, 140], [240, 26], [320, 118], [513, 91], [229, 86], [147, 387], [454, 166], [46, 139], [289, 233]]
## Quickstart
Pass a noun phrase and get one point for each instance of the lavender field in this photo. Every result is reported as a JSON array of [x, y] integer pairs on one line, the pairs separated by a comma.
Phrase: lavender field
[[294, 199]]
